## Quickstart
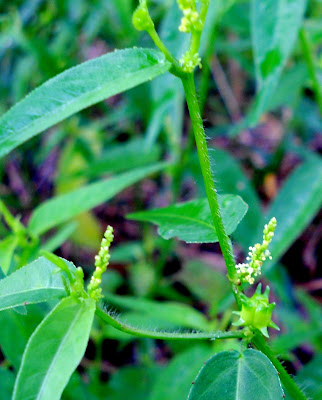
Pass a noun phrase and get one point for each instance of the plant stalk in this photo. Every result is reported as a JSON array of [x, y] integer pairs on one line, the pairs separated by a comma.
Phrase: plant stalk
[[288, 382], [198, 129], [154, 334]]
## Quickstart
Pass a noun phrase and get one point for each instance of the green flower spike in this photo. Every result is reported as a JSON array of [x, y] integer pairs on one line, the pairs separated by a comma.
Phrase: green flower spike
[[141, 18], [101, 263], [257, 255], [256, 311]]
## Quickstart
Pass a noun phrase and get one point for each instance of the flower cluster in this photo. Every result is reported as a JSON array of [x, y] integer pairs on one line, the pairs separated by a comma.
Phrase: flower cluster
[[191, 19], [190, 61], [256, 311], [257, 255], [101, 263]]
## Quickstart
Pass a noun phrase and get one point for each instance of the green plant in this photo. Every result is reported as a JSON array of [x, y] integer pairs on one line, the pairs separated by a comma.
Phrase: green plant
[[62, 336]]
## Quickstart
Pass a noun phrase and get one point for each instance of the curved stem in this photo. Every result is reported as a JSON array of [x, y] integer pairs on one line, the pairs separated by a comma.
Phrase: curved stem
[[288, 382], [121, 326], [176, 68], [198, 129]]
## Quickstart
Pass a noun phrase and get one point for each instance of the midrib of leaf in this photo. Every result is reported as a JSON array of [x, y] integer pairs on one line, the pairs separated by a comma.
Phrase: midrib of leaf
[[238, 379], [220, 375], [260, 380], [78, 99], [199, 221], [29, 291], [56, 355]]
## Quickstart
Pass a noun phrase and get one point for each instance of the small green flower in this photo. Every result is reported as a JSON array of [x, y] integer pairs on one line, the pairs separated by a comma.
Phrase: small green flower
[[256, 311], [141, 18], [257, 255], [190, 61], [101, 263], [191, 18]]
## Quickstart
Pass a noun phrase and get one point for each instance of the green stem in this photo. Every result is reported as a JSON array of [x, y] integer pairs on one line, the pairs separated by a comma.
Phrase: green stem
[[288, 382], [196, 34], [165, 335], [308, 52], [176, 68], [198, 129]]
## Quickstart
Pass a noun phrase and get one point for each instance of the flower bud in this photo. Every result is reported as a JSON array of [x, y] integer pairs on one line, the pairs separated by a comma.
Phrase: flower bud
[[256, 311], [141, 18]]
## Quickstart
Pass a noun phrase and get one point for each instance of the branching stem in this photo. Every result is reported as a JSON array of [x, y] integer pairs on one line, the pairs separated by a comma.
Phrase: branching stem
[[154, 334], [200, 137]]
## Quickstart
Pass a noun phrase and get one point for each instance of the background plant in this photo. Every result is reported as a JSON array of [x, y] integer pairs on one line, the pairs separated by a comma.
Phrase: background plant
[[82, 152]]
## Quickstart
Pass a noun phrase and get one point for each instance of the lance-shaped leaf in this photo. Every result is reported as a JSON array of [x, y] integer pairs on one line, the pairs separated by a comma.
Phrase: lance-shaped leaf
[[231, 375], [294, 207], [76, 89], [275, 26], [62, 208], [192, 221], [36, 282], [54, 351]]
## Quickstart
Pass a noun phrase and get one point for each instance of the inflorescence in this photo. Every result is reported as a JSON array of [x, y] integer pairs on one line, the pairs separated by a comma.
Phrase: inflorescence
[[101, 263], [257, 255], [191, 22]]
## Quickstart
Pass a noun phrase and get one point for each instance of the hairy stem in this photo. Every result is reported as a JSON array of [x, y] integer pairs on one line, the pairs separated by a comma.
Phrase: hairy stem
[[154, 334], [288, 382], [198, 129]]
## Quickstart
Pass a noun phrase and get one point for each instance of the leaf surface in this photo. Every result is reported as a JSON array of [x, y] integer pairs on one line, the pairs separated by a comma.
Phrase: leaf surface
[[62, 208], [54, 351], [175, 380], [7, 248], [275, 26], [231, 375], [179, 314], [76, 89], [36, 282], [192, 221], [296, 204]]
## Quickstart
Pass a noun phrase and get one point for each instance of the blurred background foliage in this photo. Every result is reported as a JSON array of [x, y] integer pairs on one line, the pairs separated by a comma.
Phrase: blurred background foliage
[[274, 166]]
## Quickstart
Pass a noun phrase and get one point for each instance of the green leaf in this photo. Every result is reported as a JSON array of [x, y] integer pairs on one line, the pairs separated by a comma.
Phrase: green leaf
[[7, 379], [192, 221], [275, 26], [296, 204], [54, 351], [36, 282], [179, 314], [206, 283], [310, 377], [7, 248], [60, 237], [62, 208], [132, 383], [231, 375], [174, 382], [134, 154], [16, 329], [76, 89]]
